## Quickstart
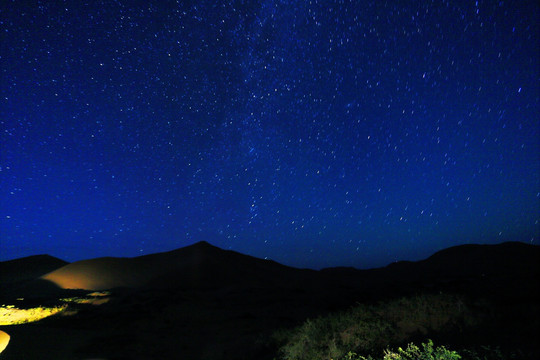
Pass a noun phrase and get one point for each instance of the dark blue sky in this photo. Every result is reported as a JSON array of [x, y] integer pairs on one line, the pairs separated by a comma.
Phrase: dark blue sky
[[314, 133]]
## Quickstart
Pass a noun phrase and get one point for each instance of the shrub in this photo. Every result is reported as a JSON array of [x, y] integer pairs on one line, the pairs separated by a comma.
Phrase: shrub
[[413, 352], [368, 329]]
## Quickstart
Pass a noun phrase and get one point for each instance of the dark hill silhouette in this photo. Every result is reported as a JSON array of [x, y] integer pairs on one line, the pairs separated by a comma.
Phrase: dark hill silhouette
[[203, 265], [471, 261], [475, 259], [509, 266], [19, 278], [200, 265], [28, 268]]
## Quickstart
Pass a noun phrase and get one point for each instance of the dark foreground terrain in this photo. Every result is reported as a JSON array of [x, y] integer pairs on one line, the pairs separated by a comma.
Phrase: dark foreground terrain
[[201, 302]]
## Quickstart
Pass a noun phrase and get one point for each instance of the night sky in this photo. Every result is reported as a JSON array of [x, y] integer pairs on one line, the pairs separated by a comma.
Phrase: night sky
[[313, 133]]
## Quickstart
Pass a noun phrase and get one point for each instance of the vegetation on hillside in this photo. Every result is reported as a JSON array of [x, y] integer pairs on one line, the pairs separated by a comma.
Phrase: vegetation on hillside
[[369, 329], [413, 352]]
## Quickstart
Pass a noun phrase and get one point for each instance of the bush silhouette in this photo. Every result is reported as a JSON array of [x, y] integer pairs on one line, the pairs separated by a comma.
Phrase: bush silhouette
[[368, 329], [413, 352]]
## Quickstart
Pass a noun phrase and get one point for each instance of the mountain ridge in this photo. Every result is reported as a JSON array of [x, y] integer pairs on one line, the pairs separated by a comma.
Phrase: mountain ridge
[[204, 265]]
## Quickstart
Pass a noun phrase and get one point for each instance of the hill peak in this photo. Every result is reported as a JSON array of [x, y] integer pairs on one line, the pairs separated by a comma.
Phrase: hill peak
[[203, 244], [27, 268]]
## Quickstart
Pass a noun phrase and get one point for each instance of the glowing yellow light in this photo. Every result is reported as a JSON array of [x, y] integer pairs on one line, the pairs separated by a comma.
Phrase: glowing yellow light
[[4, 340], [10, 315], [95, 298]]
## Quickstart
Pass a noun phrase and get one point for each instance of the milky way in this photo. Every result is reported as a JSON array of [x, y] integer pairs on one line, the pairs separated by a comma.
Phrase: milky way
[[316, 133]]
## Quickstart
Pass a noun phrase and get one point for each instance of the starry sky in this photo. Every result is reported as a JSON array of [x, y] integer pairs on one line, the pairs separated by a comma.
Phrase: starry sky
[[314, 133]]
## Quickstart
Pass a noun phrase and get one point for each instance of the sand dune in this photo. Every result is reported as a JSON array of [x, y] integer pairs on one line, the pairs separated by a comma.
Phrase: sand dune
[[197, 265], [99, 274]]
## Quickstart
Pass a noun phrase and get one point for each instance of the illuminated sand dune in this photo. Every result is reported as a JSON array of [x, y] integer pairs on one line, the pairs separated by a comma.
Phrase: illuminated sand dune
[[98, 274], [197, 265], [107, 273], [4, 340]]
